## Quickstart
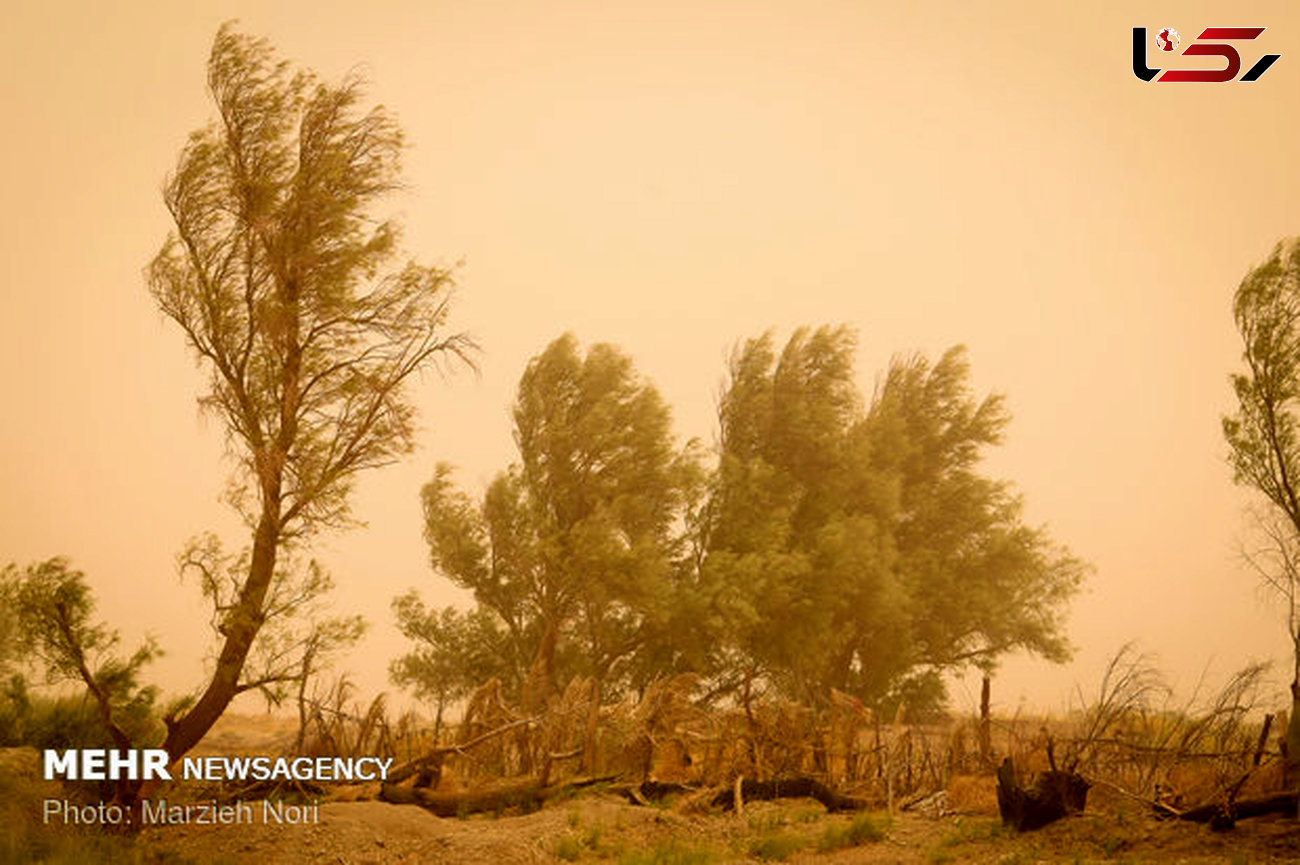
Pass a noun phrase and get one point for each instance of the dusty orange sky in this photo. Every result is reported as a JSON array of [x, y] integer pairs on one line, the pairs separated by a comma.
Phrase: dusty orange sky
[[674, 178]]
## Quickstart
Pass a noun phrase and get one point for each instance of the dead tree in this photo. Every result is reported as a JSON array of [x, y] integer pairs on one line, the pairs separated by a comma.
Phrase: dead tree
[[1054, 795]]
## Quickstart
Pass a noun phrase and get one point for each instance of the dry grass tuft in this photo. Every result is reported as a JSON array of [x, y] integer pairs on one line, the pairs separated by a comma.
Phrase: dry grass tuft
[[973, 794]]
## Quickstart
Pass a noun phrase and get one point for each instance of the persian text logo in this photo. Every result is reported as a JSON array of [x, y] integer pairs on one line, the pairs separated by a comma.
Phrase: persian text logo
[[1168, 39]]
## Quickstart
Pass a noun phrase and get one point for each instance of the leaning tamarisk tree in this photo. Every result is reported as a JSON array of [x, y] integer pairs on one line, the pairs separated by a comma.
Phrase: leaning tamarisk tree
[[286, 288]]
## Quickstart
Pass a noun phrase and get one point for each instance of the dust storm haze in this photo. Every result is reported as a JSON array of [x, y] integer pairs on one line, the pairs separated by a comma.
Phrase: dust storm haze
[[674, 179]]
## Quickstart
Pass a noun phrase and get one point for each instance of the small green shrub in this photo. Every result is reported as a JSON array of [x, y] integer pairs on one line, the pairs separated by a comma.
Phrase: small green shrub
[[668, 853], [1111, 844], [60, 722], [775, 847], [809, 815], [863, 829], [568, 848]]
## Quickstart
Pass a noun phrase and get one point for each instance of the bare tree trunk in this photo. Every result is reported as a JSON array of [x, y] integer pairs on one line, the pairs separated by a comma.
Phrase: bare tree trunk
[[985, 733], [590, 750], [539, 683], [302, 695], [241, 629], [1291, 757], [437, 722], [752, 722]]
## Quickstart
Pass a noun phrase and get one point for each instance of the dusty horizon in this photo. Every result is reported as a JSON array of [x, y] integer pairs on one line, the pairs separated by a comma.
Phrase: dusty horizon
[[675, 180]]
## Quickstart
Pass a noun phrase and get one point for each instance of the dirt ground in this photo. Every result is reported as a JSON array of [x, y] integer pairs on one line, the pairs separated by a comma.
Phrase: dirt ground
[[605, 828], [600, 826]]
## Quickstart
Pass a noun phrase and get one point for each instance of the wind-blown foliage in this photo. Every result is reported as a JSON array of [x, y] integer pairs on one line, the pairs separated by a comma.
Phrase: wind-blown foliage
[[575, 548], [1264, 436], [840, 543], [455, 653], [53, 629], [286, 286], [860, 548]]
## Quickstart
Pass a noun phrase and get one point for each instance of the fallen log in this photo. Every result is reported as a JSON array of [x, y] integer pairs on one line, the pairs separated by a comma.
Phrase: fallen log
[[526, 795], [1224, 815], [1054, 795], [790, 788], [651, 791]]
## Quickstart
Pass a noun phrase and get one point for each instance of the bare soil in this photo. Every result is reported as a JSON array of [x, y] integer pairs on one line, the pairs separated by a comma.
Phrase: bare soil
[[599, 826], [605, 828]]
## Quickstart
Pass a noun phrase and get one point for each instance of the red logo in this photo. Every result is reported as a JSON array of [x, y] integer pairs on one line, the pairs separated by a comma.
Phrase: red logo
[[1202, 46]]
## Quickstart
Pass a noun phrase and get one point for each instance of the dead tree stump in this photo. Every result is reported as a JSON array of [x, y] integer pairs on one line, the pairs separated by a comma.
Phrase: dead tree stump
[[1053, 795]]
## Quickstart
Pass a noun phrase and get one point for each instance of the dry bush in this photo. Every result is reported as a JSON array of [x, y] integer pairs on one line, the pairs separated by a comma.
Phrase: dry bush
[[482, 753], [648, 737], [1129, 738], [973, 794], [1133, 738], [562, 731], [339, 726]]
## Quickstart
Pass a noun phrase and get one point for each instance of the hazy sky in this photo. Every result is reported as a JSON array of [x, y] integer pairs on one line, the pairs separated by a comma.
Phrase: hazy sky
[[674, 178]]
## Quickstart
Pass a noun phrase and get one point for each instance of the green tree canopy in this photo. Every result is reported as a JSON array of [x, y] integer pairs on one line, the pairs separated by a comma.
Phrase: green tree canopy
[[454, 653], [856, 546], [1264, 437], [288, 288], [840, 543], [576, 547], [50, 609]]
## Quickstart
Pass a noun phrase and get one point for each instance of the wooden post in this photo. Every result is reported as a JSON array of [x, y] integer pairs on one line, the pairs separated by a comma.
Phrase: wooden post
[[985, 733]]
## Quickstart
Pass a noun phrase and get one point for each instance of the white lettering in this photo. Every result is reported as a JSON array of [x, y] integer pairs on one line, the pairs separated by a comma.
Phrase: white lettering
[[98, 764], [153, 812], [92, 764], [155, 764], [102, 814], [60, 766], [263, 768], [282, 812], [123, 760]]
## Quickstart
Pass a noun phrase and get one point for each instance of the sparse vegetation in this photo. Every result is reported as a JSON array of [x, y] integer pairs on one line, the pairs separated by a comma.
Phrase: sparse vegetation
[[670, 853], [568, 848], [967, 831], [862, 829], [775, 846]]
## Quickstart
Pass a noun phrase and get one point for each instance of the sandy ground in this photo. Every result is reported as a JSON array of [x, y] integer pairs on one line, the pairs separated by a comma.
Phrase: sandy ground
[[601, 826]]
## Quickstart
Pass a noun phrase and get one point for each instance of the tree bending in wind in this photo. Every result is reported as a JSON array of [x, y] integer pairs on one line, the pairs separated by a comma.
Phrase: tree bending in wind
[[283, 283], [855, 545], [1264, 437]]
